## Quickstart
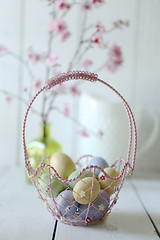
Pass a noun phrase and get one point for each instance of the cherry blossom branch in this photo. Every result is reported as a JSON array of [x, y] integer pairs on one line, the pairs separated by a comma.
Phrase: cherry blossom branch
[[26, 64], [58, 28], [21, 99], [19, 58]]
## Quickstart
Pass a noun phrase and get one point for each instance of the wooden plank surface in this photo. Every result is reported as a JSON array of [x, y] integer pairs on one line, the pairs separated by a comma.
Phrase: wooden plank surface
[[148, 192], [22, 213], [128, 220]]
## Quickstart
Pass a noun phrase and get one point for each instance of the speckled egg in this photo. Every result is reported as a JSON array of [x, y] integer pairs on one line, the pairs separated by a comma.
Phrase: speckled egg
[[96, 209], [106, 183], [62, 164], [74, 174], [66, 203], [47, 188], [98, 161], [82, 190]]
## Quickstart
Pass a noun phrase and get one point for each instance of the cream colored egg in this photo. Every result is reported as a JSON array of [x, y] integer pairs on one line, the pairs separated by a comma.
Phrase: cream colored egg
[[62, 164], [83, 190], [106, 183]]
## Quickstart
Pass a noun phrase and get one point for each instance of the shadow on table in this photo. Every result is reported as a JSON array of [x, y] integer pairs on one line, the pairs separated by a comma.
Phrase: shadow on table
[[128, 223]]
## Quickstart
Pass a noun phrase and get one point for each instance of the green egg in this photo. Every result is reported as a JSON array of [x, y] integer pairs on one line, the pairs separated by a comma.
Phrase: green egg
[[49, 187], [74, 174]]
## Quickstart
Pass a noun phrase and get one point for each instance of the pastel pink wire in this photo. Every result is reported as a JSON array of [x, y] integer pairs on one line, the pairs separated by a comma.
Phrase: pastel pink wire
[[128, 164]]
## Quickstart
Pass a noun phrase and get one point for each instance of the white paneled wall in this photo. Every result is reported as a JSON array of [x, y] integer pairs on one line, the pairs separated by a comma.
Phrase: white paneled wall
[[10, 79], [148, 55], [23, 24]]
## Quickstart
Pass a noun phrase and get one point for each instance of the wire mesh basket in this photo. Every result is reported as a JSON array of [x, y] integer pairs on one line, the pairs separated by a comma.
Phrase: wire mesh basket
[[89, 193]]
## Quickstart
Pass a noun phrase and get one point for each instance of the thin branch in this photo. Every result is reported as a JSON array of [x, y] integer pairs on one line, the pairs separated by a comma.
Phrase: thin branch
[[21, 99], [100, 68], [19, 58], [80, 42], [50, 39], [53, 97], [87, 48]]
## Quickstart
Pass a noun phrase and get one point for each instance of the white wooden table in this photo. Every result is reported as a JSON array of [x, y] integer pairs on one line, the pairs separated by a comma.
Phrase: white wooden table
[[23, 216]]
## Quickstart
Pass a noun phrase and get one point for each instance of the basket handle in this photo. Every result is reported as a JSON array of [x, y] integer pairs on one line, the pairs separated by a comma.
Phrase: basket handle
[[92, 78]]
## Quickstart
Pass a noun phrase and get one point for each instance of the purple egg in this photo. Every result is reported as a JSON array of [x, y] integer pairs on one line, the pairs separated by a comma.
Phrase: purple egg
[[97, 208], [66, 203], [98, 161]]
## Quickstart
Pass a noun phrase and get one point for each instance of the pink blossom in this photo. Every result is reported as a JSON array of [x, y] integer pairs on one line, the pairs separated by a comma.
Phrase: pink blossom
[[2, 49], [74, 90], [97, 40], [34, 57], [9, 99], [83, 133], [101, 133], [112, 66], [96, 3], [64, 35], [115, 58], [115, 53], [120, 23], [58, 26], [36, 84], [61, 4], [127, 23], [99, 27], [60, 87], [86, 6], [24, 89], [51, 58], [65, 110], [86, 63]]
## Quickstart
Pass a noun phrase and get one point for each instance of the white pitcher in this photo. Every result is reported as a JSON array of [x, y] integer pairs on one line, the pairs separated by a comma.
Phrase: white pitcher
[[104, 117]]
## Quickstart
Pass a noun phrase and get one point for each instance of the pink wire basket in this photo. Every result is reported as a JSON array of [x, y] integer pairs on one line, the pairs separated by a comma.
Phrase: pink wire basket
[[100, 191]]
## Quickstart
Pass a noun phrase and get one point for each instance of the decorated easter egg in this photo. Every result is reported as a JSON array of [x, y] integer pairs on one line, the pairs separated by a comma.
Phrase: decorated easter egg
[[108, 184], [84, 192], [66, 203], [50, 185], [62, 164], [98, 161], [96, 209], [74, 174]]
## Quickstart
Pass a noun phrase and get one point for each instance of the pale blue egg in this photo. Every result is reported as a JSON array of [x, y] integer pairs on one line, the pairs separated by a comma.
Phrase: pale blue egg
[[96, 209], [66, 203], [98, 161]]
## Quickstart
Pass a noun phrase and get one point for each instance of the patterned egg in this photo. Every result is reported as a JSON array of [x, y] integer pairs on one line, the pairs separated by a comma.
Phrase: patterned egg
[[74, 174], [62, 164], [66, 203], [98, 161], [96, 209], [108, 184], [83, 191], [48, 187]]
